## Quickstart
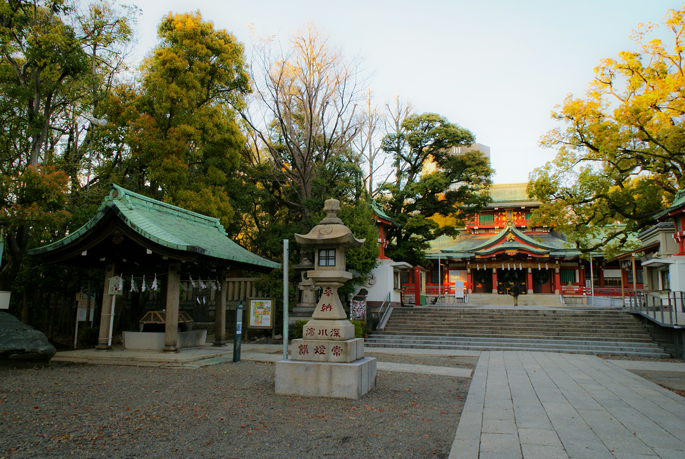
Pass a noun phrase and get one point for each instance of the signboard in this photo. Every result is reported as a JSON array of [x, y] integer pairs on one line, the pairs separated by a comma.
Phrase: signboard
[[115, 286], [82, 314], [260, 314], [459, 289]]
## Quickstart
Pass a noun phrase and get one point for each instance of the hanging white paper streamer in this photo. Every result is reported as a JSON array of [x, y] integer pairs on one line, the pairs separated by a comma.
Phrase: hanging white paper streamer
[[192, 282], [218, 285], [202, 284], [155, 286], [143, 287], [134, 287]]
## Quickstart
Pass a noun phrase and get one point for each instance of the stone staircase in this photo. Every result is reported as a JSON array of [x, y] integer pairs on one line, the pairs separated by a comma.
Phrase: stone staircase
[[489, 299], [611, 332]]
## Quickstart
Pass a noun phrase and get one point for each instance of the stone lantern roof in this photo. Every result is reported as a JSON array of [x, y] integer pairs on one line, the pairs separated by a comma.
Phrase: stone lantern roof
[[330, 231]]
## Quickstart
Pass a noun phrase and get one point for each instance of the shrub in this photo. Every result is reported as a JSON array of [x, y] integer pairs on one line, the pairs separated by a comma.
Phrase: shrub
[[297, 328], [359, 328]]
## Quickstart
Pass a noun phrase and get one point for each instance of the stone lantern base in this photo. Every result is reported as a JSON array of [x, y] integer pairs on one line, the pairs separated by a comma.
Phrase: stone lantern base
[[325, 379]]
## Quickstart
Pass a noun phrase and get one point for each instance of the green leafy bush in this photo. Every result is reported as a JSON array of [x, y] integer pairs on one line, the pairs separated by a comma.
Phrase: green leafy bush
[[297, 328], [359, 328]]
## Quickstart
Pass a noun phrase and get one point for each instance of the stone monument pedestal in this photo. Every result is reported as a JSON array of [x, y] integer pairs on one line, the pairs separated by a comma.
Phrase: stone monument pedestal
[[328, 361], [325, 379]]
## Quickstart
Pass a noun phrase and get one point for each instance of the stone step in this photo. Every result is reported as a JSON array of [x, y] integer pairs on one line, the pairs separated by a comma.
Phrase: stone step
[[588, 331], [507, 323], [499, 347], [545, 336], [478, 340]]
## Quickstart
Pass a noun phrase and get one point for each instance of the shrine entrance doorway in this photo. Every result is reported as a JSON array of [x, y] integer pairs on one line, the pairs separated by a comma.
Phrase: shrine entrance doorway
[[506, 278], [542, 281], [482, 280]]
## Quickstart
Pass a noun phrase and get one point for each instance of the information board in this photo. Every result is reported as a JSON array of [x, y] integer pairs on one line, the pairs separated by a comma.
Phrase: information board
[[260, 314]]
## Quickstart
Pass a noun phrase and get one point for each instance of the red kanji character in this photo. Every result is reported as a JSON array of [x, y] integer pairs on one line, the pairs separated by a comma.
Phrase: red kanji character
[[320, 350], [310, 332], [335, 333], [328, 291], [304, 349], [337, 350], [323, 332], [326, 307]]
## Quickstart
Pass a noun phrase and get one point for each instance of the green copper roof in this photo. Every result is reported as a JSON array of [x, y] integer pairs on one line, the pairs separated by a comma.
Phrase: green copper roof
[[380, 213], [166, 225], [469, 245], [678, 202]]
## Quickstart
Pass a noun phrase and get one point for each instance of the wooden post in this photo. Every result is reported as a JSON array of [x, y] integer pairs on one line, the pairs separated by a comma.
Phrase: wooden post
[[469, 281], [417, 286], [220, 311], [557, 281], [623, 291], [529, 281], [172, 292], [105, 311], [494, 280]]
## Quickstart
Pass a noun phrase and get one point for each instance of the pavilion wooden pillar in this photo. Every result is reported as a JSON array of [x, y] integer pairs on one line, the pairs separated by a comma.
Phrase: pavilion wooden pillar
[[557, 281], [417, 286], [529, 281], [469, 281], [494, 280], [172, 301], [220, 311], [105, 311]]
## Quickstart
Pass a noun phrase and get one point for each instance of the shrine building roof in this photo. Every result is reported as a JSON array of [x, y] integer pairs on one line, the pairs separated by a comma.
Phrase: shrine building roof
[[160, 227]]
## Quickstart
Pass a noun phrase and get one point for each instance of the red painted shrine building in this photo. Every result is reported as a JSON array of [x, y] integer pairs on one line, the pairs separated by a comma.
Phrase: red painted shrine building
[[500, 248]]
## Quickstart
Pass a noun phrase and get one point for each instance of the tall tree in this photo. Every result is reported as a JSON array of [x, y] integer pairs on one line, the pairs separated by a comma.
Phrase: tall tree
[[368, 144], [621, 154], [307, 99], [46, 76], [181, 137], [431, 181]]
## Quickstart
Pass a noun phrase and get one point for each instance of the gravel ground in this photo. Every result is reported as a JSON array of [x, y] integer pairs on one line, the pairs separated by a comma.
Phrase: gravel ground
[[222, 411]]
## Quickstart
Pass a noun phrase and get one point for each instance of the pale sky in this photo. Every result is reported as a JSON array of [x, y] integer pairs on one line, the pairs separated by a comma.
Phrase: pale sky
[[494, 67]]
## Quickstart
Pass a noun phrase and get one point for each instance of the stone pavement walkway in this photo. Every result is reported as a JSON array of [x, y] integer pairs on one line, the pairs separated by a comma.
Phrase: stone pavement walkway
[[547, 405]]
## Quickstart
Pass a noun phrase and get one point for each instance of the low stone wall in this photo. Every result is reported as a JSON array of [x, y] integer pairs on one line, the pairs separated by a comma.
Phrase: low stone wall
[[151, 341]]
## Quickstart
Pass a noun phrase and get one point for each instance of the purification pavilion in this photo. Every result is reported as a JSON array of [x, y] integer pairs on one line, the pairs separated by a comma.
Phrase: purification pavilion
[[135, 236]]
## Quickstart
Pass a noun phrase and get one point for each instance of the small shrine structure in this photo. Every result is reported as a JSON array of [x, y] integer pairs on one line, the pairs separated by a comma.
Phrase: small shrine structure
[[328, 361], [676, 263], [135, 235]]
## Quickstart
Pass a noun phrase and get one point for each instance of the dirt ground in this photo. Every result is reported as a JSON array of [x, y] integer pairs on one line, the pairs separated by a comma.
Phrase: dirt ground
[[222, 411]]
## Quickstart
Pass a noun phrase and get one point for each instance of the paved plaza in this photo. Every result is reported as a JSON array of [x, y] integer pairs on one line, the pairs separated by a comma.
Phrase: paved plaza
[[548, 405]]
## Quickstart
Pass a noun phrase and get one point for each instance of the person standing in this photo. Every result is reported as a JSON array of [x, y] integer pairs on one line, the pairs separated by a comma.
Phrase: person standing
[[514, 291]]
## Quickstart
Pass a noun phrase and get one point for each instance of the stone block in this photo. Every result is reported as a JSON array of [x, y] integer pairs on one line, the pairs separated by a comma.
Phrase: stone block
[[154, 341], [338, 330], [20, 342], [314, 379], [315, 350]]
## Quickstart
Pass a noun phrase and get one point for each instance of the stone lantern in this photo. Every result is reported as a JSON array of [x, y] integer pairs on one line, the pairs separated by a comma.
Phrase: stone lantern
[[328, 361], [306, 285]]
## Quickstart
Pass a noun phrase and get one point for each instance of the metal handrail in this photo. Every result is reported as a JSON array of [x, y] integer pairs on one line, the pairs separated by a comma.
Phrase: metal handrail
[[384, 316], [654, 307]]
